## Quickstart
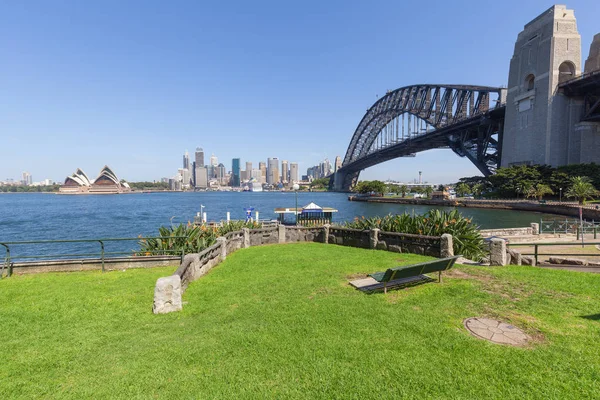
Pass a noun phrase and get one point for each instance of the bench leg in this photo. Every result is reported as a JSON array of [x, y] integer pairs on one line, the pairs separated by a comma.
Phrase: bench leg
[[440, 277], [384, 287]]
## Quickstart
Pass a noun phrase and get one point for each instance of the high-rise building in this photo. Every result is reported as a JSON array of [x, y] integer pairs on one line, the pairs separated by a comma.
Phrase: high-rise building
[[294, 173], [249, 167], [186, 160], [284, 172], [273, 171], [235, 172], [27, 179], [262, 166], [338, 163], [257, 175], [221, 174], [201, 173], [199, 157], [214, 160]]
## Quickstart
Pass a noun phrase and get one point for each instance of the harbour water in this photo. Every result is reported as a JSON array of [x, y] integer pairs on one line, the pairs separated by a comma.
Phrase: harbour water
[[37, 216]]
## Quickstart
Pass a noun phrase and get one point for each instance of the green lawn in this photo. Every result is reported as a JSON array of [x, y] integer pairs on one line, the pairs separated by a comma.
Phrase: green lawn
[[282, 322]]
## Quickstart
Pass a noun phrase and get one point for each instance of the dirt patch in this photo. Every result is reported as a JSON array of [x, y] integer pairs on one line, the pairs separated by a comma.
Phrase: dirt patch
[[460, 274], [353, 277]]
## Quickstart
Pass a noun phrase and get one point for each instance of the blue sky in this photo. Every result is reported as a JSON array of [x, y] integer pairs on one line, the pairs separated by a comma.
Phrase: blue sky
[[133, 84]]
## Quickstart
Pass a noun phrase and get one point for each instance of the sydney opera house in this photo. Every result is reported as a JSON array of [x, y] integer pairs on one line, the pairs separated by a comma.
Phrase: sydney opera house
[[106, 183]]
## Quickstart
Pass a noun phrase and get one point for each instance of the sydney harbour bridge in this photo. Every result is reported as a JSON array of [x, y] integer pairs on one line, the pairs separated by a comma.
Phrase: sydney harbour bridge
[[549, 114], [466, 119]]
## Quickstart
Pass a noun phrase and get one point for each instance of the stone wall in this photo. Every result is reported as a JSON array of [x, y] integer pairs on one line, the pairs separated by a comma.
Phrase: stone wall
[[262, 236], [349, 237], [507, 232], [169, 290], [407, 243]]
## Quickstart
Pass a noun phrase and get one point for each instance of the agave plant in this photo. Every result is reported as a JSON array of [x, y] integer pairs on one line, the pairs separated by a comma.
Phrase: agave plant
[[466, 237]]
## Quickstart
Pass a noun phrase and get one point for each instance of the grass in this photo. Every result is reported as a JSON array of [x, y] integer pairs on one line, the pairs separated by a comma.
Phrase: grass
[[282, 322]]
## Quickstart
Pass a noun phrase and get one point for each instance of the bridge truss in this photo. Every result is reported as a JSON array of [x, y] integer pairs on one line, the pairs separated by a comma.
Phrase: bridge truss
[[466, 119]]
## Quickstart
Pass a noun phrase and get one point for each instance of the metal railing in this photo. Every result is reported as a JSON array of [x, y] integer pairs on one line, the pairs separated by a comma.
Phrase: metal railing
[[536, 246], [103, 255], [566, 225]]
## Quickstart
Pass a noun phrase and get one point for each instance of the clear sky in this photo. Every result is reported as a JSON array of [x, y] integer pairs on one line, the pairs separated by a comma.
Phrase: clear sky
[[133, 84]]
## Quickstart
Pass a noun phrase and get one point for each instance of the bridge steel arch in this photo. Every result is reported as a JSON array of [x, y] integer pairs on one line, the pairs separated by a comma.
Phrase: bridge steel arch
[[460, 117]]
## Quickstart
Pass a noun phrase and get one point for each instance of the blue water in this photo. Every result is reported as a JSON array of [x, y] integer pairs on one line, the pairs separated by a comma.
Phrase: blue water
[[38, 216]]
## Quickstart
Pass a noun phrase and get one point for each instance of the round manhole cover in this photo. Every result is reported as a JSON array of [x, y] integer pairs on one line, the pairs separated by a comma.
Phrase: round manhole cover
[[496, 331]]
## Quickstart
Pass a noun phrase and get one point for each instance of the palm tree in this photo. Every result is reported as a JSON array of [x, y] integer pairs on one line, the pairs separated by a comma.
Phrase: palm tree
[[538, 191], [403, 190], [581, 189], [427, 190]]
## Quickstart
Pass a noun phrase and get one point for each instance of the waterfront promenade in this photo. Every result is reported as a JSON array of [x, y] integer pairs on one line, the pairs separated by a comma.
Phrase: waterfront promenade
[[566, 208]]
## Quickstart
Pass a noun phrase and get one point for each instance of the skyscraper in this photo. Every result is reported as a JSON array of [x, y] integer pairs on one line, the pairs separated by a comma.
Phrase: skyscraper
[[213, 160], [235, 172], [199, 157], [221, 174], [27, 179], [201, 173], [273, 171], [263, 171], [294, 178], [186, 160], [284, 172]]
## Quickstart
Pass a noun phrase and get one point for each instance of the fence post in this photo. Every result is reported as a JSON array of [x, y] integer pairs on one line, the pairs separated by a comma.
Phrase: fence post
[[536, 254], [535, 228], [281, 232], [446, 246], [498, 252], [223, 243], [326, 233], [102, 253], [246, 242], [373, 238]]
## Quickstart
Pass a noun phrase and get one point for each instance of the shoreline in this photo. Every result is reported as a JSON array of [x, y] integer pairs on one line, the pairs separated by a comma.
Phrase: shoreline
[[556, 208]]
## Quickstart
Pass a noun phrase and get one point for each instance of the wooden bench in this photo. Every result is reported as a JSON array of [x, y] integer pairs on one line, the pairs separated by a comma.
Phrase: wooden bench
[[414, 270]]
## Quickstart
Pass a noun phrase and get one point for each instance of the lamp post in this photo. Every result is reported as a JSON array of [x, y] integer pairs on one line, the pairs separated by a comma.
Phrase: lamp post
[[560, 195], [296, 187]]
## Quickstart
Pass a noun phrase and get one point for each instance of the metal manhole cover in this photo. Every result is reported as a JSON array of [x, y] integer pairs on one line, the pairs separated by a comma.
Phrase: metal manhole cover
[[496, 331]]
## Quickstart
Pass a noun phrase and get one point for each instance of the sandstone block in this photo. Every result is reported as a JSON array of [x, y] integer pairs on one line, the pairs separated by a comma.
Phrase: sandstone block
[[167, 295]]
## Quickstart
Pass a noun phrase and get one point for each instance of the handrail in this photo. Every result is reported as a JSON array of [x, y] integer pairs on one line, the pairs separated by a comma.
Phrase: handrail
[[8, 264], [536, 253]]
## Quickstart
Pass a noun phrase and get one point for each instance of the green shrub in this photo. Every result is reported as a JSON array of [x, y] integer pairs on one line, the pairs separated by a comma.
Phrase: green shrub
[[188, 238], [467, 240]]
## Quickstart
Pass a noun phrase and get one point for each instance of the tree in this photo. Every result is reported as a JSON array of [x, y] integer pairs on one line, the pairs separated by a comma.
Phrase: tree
[[366, 187], [392, 188], [403, 190], [462, 189], [427, 190], [477, 189], [581, 189], [538, 191]]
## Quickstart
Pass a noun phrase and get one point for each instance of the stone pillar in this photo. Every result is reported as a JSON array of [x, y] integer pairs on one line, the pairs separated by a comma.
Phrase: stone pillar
[[535, 228], [497, 252], [281, 233], [167, 295], [326, 233], [223, 243], [446, 246], [246, 242], [373, 238]]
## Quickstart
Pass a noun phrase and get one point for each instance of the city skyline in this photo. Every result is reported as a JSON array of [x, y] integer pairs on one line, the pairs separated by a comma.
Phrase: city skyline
[[70, 79]]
